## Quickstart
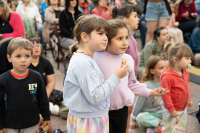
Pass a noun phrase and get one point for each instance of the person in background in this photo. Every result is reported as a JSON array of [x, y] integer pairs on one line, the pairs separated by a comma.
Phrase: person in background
[[186, 15], [11, 5], [197, 4], [172, 25], [29, 10], [91, 5], [139, 7], [83, 7], [157, 14], [11, 26], [102, 9]]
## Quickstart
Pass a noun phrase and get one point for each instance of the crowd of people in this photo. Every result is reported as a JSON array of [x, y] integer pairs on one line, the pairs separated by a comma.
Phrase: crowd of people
[[105, 72]]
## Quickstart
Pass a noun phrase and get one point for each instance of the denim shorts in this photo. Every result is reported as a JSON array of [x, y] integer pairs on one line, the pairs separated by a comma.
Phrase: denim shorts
[[156, 11]]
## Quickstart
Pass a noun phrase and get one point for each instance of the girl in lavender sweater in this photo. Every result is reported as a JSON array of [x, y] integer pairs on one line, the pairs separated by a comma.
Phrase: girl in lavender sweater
[[124, 93]]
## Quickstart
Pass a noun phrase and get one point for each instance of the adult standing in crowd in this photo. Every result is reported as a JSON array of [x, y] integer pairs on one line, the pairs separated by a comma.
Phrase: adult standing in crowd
[[67, 21], [139, 6], [11, 25], [83, 7], [154, 47], [29, 10], [51, 17], [157, 14], [186, 15]]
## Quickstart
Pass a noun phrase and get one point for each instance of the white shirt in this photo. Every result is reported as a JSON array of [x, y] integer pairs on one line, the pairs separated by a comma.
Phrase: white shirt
[[29, 11]]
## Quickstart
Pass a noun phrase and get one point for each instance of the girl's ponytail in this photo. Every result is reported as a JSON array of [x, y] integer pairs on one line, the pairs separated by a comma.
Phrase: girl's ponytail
[[166, 49], [114, 12], [73, 48]]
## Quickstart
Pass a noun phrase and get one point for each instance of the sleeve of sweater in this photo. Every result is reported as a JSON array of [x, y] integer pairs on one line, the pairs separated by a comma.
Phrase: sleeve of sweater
[[166, 83], [148, 51], [94, 91], [98, 12], [179, 15], [17, 25], [135, 86], [139, 103], [1, 107], [43, 102], [64, 25], [49, 18]]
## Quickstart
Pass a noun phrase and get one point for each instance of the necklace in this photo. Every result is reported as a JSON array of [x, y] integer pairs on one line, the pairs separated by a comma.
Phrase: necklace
[[83, 53], [2, 22]]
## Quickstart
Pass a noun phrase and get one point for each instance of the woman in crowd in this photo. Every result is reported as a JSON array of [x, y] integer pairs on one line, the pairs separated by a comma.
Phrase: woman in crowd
[[44, 67], [142, 23], [186, 15], [157, 14], [91, 4], [30, 10], [11, 25], [154, 47], [83, 7], [102, 9], [67, 21], [194, 44]]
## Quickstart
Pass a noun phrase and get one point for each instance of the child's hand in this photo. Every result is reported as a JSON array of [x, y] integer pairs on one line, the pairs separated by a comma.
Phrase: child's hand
[[122, 70], [47, 123], [190, 104], [133, 124], [3, 131], [173, 114], [159, 92]]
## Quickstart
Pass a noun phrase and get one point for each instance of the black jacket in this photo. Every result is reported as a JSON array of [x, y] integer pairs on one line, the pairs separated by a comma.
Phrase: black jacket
[[21, 101], [67, 21]]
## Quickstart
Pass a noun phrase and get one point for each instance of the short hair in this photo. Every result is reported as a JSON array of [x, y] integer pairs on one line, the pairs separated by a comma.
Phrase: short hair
[[49, 3], [32, 39], [19, 42]]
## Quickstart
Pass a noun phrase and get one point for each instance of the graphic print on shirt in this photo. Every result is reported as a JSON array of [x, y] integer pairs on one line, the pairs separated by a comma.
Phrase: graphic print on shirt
[[5, 96], [33, 91], [154, 101]]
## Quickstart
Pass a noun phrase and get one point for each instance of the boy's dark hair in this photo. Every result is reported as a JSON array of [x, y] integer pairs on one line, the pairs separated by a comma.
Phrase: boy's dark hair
[[123, 11], [19, 42], [157, 32]]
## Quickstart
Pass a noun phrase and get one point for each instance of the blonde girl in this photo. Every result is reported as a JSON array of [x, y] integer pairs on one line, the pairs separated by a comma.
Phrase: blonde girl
[[176, 79], [147, 111], [124, 94], [86, 92]]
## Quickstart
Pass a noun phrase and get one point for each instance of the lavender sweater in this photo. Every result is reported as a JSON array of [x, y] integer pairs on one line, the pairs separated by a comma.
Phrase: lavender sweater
[[124, 94]]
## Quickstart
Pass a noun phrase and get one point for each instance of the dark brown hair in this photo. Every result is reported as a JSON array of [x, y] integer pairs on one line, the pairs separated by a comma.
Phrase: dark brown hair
[[21, 43], [87, 24], [123, 11], [178, 50], [49, 3], [151, 63], [115, 25]]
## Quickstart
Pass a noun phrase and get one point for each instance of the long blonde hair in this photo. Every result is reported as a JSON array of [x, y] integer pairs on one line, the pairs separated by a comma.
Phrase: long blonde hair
[[6, 11]]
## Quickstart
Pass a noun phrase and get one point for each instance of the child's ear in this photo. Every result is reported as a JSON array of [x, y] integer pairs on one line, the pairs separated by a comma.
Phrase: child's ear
[[84, 37], [175, 60], [9, 58], [152, 71]]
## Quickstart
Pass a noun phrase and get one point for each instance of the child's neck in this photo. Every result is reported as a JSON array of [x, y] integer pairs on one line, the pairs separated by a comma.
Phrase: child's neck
[[86, 51], [19, 73], [177, 70], [156, 80]]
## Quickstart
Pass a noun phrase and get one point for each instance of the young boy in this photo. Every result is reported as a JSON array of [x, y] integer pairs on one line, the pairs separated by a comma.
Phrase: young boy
[[22, 92]]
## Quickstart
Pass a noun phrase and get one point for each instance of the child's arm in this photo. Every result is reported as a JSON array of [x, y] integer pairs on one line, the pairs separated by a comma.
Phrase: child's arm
[[166, 83], [43, 102], [3, 131], [1, 107]]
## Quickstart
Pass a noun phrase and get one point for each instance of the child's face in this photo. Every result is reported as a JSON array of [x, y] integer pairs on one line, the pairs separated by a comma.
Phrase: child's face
[[159, 68], [119, 43], [21, 59], [172, 7], [183, 63], [36, 49], [97, 40], [102, 3], [133, 20]]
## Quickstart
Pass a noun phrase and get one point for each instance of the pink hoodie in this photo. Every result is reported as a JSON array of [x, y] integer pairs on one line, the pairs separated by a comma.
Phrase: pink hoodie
[[17, 25]]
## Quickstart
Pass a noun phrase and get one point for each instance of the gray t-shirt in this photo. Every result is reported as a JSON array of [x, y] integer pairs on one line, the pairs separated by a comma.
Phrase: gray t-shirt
[[144, 104]]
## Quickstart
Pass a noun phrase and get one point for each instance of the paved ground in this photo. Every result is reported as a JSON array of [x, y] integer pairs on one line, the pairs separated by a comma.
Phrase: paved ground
[[192, 124]]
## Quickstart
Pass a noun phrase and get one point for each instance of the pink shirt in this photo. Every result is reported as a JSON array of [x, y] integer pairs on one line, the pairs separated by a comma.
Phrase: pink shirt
[[124, 93], [133, 51], [17, 25], [99, 13]]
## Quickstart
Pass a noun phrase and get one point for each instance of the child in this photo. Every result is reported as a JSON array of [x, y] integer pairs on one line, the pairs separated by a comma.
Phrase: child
[[23, 92], [86, 93], [129, 14], [102, 9], [124, 94], [147, 111], [176, 79], [173, 31]]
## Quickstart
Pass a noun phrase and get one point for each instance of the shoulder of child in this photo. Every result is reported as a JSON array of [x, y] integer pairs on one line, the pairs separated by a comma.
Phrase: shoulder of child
[[4, 76]]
